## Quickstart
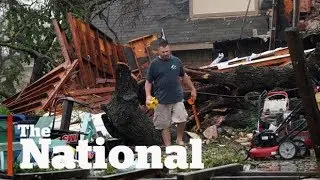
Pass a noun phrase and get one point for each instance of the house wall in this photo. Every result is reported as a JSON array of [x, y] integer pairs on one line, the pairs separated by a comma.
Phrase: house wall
[[195, 58]]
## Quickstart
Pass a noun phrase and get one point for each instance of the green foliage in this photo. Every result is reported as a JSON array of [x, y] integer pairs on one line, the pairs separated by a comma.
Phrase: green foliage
[[216, 154], [4, 110], [27, 34], [110, 169], [17, 169], [252, 120], [41, 112]]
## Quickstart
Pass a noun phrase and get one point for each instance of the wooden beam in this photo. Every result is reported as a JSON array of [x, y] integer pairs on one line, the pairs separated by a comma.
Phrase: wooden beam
[[59, 85], [92, 52], [108, 62], [35, 91], [27, 107], [103, 81], [99, 60], [63, 46], [305, 87], [83, 51], [82, 74], [28, 100], [91, 91], [47, 77], [46, 87]]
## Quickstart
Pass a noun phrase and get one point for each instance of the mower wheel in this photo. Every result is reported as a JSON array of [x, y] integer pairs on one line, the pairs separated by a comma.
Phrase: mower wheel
[[287, 149], [243, 153], [302, 147]]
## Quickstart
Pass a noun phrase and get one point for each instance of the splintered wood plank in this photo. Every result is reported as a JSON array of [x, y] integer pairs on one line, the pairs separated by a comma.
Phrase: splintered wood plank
[[104, 81], [62, 42], [47, 77], [40, 82], [91, 91], [36, 93], [115, 54], [139, 49], [139, 73], [87, 66], [108, 61], [146, 48], [28, 100], [27, 107], [269, 61], [45, 87], [121, 54], [65, 77], [99, 54], [82, 75], [102, 58], [101, 99], [93, 50]]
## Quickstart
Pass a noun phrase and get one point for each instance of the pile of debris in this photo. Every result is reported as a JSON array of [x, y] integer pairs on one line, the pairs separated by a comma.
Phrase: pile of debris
[[109, 78], [229, 93], [228, 96]]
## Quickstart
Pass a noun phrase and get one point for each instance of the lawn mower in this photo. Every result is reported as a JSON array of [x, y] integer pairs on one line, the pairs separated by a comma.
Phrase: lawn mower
[[279, 131]]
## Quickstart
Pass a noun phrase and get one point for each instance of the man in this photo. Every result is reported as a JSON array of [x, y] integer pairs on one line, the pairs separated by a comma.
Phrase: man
[[167, 75]]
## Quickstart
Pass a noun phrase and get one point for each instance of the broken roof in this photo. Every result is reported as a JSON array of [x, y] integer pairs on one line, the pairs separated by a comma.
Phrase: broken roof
[[87, 75]]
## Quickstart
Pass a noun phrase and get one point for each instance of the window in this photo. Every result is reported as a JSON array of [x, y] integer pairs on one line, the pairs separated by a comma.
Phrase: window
[[222, 8]]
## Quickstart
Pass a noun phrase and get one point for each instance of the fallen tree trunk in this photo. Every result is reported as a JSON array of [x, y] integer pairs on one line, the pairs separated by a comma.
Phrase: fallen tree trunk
[[249, 78], [123, 112], [124, 118]]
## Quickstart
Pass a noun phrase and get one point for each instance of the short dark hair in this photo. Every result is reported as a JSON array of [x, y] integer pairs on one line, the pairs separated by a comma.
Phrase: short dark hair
[[163, 43]]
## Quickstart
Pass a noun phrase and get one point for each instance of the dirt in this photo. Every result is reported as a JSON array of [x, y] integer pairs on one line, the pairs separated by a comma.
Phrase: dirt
[[295, 165]]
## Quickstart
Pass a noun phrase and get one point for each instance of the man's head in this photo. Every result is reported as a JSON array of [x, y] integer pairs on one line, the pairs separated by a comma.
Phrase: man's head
[[164, 49]]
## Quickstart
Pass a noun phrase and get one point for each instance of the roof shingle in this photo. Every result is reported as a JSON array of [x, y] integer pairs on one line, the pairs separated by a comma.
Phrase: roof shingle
[[173, 17]]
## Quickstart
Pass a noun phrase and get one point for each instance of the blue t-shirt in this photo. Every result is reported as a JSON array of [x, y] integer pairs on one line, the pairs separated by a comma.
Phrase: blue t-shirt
[[165, 77]]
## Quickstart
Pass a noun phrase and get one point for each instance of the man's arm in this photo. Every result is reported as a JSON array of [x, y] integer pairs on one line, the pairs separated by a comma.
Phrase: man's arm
[[148, 84], [187, 81], [148, 88]]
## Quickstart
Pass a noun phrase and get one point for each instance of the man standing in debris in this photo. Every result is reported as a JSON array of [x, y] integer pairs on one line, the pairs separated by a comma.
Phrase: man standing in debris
[[166, 74]]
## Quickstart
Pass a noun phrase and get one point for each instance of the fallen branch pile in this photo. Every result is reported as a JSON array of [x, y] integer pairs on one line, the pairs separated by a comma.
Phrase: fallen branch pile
[[225, 99]]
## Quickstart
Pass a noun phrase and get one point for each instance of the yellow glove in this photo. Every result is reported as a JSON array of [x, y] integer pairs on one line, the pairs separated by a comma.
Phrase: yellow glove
[[153, 103]]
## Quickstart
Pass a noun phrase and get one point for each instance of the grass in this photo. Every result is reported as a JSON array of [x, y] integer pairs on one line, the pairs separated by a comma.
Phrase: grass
[[218, 153]]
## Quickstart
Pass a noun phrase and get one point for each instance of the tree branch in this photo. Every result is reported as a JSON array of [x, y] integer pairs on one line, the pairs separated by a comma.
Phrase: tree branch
[[4, 94], [35, 54], [92, 7]]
